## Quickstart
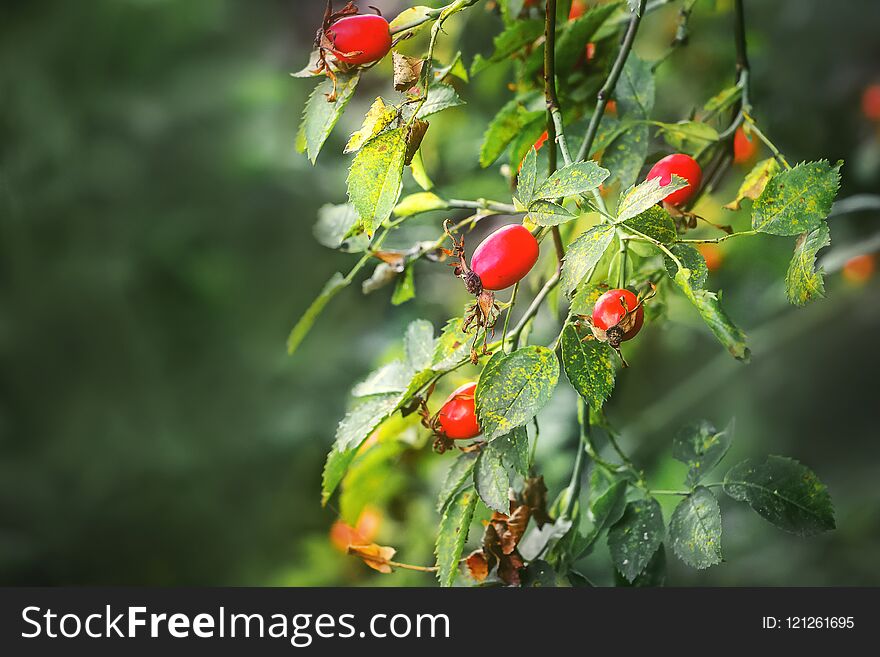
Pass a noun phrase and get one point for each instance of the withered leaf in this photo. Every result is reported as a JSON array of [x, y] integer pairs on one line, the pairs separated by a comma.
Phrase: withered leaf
[[374, 555], [414, 139], [478, 565], [406, 70]]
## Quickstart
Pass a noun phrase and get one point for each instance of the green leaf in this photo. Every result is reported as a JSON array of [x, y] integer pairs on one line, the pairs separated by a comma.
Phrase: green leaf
[[419, 174], [545, 213], [654, 574], [709, 307], [405, 288], [320, 116], [454, 526], [418, 344], [514, 37], [412, 15], [701, 447], [634, 92], [625, 155], [491, 479], [418, 203], [583, 254], [393, 377], [654, 222], [455, 68], [637, 199], [528, 178], [575, 34], [607, 504], [692, 259], [589, 366], [331, 288], [803, 283], [688, 136], [514, 387], [376, 178], [514, 450], [452, 346], [459, 473], [503, 128], [378, 117], [354, 428], [722, 99], [335, 223], [525, 139], [634, 539], [440, 97], [784, 492], [695, 529], [754, 183], [796, 201], [572, 180]]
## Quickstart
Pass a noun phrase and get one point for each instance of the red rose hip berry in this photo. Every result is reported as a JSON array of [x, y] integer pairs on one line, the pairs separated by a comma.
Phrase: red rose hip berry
[[360, 39], [618, 315], [458, 416], [745, 147], [681, 165], [505, 257]]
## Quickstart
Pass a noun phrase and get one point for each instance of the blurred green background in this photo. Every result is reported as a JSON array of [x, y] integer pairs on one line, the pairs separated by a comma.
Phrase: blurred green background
[[156, 248]]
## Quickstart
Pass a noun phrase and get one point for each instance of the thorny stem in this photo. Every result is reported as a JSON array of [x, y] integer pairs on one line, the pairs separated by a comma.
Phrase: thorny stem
[[608, 88], [482, 204], [716, 240], [555, 128], [621, 274]]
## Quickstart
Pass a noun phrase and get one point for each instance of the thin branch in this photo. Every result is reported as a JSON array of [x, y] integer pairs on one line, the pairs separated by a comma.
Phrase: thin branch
[[388, 562], [532, 310], [608, 88], [574, 485]]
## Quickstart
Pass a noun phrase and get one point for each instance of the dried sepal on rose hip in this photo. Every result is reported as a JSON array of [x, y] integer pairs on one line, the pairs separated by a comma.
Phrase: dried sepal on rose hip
[[501, 260], [348, 39], [456, 419], [618, 316]]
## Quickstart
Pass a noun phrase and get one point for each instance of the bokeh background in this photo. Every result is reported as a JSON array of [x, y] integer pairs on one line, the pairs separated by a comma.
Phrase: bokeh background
[[156, 248]]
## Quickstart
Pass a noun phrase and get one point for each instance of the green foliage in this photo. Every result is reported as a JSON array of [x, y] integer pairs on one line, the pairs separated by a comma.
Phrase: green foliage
[[803, 283], [335, 224], [509, 121], [688, 136], [514, 387], [491, 478], [709, 306], [353, 430], [461, 472], [320, 116], [572, 180], [571, 40], [654, 222], [653, 575], [546, 213], [796, 201], [514, 37], [692, 260], [784, 492], [378, 117], [635, 89], [643, 196], [700, 446], [376, 178], [514, 450], [625, 154], [634, 539], [331, 288], [440, 97], [583, 254], [755, 181], [455, 523], [452, 346], [695, 529], [589, 366]]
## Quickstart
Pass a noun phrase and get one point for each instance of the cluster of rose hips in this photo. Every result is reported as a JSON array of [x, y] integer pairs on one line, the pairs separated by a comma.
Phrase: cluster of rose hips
[[508, 254]]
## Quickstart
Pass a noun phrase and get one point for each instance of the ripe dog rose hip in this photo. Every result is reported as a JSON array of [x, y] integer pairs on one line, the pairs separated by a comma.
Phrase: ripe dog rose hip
[[613, 313], [458, 416], [360, 39], [505, 257], [744, 146], [682, 165]]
